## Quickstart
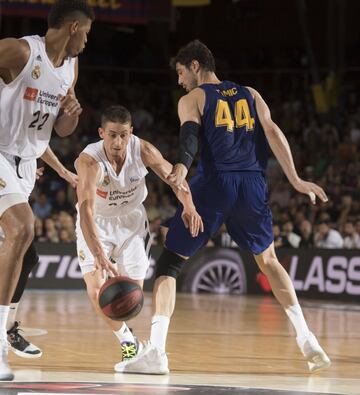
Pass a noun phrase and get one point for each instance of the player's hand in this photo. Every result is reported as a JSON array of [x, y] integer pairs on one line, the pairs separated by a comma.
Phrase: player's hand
[[70, 105], [192, 221], [39, 172], [70, 177], [177, 177], [312, 190], [103, 264]]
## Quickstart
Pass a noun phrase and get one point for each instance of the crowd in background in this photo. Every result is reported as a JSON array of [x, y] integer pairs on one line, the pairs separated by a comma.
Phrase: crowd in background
[[325, 150]]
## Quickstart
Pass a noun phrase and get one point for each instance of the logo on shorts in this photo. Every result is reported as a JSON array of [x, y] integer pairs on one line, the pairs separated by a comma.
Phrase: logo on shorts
[[102, 194], [106, 181], [30, 94], [2, 183], [35, 74], [82, 255]]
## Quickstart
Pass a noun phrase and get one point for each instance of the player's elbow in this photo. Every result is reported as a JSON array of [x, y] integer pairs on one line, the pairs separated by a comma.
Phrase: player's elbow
[[272, 131]]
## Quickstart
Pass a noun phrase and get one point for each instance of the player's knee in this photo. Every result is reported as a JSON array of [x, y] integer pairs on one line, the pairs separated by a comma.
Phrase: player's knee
[[92, 287], [24, 232], [269, 264], [169, 264]]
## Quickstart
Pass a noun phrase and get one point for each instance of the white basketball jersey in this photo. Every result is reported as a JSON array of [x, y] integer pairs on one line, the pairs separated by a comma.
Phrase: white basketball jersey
[[30, 103], [117, 195]]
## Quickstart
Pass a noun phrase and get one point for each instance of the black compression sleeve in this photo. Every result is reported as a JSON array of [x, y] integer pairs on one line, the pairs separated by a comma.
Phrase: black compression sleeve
[[189, 142]]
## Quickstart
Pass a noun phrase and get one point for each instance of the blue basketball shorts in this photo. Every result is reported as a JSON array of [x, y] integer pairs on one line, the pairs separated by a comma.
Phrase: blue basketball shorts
[[238, 199]]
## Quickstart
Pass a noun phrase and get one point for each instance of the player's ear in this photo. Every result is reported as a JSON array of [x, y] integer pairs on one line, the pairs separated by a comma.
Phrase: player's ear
[[131, 129], [195, 66], [74, 26], [101, 132]]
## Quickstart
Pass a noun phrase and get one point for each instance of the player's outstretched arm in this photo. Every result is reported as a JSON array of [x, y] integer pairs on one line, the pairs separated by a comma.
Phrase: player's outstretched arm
[[53, 161], [70, 110], [89, 172], [281, 149], [152, 158]]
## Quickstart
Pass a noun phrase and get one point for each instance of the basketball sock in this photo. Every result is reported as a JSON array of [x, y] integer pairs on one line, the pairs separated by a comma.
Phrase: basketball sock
[[297, 318], [4, 312], [124, 334], [159, 330], [12, 315]]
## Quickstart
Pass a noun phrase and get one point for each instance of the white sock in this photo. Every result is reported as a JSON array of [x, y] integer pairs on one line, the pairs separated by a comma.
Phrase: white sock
[[159, 330], [124, 334], [12, 315], [297, 318], [4, 312]]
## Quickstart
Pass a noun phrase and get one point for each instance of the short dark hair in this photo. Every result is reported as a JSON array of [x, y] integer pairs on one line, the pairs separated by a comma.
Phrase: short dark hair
[[118, 114], [194, 50], [65, 10]]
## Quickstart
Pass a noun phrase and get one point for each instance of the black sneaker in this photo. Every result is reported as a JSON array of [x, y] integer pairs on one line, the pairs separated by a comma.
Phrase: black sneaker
[[20, 346]]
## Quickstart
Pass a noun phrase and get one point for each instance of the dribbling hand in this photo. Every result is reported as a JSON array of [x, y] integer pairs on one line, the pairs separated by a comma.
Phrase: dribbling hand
[[70, 105], [192, 221], [103, 264]]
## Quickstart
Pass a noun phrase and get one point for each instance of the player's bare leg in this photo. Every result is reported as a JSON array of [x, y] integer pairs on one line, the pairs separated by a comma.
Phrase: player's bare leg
[[284, 292], [17, 223], [153, 359], [130, 346]]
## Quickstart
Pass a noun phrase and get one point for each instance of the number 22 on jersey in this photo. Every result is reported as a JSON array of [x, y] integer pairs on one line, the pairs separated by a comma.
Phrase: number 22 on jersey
[[224, 117]]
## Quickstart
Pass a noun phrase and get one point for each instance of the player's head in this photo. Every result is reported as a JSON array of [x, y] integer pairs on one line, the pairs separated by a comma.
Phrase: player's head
[[190, 61], [115, 130], [74, 17]]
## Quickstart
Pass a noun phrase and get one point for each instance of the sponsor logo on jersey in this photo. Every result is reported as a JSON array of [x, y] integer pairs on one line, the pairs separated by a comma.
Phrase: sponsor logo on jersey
[[82, 255], [134, 178], [102, 194], [106, 181], [31, 94], [35, 74], [2, 183]]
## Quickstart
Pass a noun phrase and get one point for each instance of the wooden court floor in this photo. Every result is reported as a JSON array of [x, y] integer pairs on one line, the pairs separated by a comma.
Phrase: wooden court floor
[[237, 341]]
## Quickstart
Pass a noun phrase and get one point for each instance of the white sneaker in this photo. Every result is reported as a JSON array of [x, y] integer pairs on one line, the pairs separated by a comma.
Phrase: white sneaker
[[148, 361], [5, 372], [316, 357]]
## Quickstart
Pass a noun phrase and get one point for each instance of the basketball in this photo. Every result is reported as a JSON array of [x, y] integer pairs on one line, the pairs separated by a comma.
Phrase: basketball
[[121, 298]]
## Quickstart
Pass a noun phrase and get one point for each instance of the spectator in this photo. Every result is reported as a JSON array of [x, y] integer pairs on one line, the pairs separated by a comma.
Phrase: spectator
[[64, 236], [39, 230], [278, 239], [307, 236], [327, 237], [42, 207], [51, 233], [351, 237], [291, 239], [61, 203]]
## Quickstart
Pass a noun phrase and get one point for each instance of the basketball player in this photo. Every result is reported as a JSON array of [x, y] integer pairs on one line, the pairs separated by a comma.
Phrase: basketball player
[[19, 345], [38, 76], [235, 127], [112, 226]]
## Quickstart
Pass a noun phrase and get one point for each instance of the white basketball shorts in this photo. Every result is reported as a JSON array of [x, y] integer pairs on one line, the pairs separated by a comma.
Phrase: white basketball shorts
[[124, 240], [17, 180]]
